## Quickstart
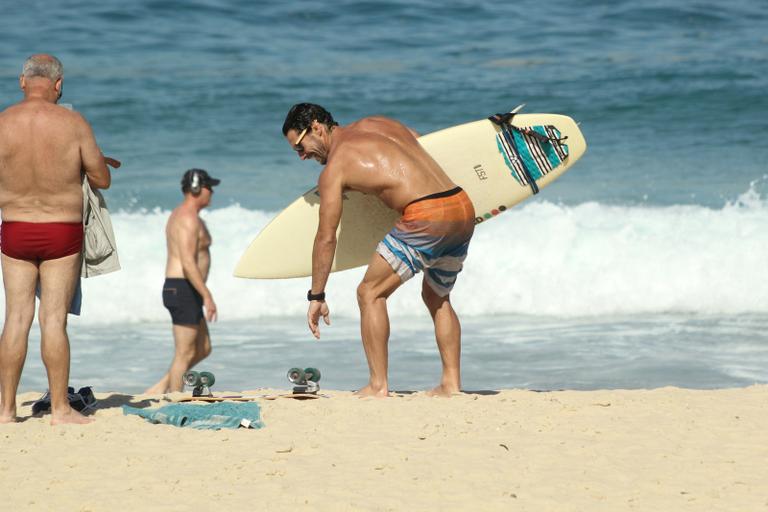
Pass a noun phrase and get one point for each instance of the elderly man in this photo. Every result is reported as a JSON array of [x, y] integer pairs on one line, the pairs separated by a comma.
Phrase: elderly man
[[44, 148], [382, 157]]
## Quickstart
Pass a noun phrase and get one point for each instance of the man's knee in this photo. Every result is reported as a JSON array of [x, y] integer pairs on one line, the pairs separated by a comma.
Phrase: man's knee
[[430, 297], [52, 319], [366, 293], [205, 349], [20, 318]]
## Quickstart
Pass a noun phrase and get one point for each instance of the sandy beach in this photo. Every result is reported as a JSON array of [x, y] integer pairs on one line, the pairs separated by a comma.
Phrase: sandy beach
[[662, 449]]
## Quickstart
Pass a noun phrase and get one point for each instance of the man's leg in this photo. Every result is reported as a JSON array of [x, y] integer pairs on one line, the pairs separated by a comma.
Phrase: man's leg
[[58, 279], [448, 336], [377, 285], [160, 387], [202, 343], [185, 339], [201, 347], [20, 278]]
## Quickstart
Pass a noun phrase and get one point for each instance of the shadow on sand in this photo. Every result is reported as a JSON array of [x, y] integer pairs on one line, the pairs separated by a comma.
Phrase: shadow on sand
[[119, 400]]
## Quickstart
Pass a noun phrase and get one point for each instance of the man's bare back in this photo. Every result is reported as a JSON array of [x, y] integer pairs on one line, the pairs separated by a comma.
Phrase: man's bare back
[[43, 150], [381, 156]]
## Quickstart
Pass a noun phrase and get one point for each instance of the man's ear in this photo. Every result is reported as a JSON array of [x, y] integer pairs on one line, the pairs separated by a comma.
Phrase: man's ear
[[22, 82], [319, 128], [58, 85]]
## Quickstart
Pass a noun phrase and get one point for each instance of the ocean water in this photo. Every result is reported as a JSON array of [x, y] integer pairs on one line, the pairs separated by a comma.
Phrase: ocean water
[[643, 266]]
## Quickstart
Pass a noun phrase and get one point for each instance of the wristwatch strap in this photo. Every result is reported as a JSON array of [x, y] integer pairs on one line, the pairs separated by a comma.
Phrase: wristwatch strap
[[315, 296]]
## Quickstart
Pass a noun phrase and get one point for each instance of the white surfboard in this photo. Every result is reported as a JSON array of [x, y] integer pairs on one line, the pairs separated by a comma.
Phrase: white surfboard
[[477, 156]]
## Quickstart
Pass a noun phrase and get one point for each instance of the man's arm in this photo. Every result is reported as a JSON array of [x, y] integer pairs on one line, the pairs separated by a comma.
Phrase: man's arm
[[188, 235], [330, 188], [94, 163]]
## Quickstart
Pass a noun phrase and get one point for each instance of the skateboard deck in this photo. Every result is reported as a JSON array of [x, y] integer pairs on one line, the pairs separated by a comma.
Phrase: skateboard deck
[[296, 396], [222, 398], [250, 398]]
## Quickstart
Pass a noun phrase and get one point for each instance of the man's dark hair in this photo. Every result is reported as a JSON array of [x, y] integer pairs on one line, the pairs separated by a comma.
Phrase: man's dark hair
[[301, 116]]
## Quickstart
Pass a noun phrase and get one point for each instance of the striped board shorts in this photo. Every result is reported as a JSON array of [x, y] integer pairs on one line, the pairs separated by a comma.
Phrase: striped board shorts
[[432, 235]]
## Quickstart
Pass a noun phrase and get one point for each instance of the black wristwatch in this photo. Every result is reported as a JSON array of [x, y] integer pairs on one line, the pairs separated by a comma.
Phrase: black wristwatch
[[315, 296]]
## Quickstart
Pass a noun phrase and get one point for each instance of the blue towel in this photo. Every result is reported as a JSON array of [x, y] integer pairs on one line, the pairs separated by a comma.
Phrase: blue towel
[[205, 417]]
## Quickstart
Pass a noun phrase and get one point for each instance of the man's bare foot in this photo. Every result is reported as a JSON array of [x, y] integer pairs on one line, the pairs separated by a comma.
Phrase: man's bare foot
[[444, 391], [371, 391], [160, 388], [157, 389], [8, 418], [69, 416]]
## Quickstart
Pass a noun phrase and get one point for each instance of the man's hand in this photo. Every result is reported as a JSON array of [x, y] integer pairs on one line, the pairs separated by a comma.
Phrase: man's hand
[[317, 308], [112, 162], [210, 308]]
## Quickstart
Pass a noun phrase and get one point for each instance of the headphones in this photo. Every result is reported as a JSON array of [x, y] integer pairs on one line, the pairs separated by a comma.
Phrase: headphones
[[195, 186]]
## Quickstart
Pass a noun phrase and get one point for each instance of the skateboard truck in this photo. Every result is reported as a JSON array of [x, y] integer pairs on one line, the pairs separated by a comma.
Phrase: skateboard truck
[[304, 381], [200, 382]]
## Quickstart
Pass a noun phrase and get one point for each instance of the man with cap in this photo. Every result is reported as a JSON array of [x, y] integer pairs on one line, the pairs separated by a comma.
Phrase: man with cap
[[185, 294]]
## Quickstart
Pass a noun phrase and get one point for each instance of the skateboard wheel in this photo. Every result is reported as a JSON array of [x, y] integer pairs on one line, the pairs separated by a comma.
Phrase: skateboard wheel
[[207, 379], [191, 379], [296, 375], [312, 374]]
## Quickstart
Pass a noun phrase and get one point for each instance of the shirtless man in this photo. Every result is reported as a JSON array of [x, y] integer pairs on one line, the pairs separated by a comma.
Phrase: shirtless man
[[186, 271], [380, 156], [44, 148]]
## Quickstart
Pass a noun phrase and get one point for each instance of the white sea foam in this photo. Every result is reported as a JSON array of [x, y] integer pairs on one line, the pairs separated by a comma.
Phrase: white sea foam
[[540, 258]]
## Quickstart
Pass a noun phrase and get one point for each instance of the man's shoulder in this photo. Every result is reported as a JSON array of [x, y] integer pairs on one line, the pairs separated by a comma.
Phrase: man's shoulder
[[377, 119], [360, 138], [183, 216], [69, 116], [46, 113], [10, 112]]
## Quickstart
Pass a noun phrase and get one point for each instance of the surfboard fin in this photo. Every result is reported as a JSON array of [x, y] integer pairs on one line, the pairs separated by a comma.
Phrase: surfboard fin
[[517, 108]]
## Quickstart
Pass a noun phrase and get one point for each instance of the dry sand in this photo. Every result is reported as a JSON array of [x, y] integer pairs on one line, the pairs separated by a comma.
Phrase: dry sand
[[651, 450]]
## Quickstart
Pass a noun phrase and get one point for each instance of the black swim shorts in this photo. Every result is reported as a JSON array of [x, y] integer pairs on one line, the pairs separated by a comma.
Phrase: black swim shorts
[[183, 302]]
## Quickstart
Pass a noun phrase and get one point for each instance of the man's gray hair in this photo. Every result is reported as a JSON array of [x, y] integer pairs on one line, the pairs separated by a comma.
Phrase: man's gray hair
[[46, 66]]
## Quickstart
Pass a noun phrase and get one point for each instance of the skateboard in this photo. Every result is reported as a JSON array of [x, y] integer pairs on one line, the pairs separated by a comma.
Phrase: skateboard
[[250, 398], [304, 381], [200, 382], [295, 396], [219, 398], [305, 385]]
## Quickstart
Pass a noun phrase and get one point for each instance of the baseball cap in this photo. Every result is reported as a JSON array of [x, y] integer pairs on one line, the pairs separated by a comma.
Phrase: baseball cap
[[205, 179]]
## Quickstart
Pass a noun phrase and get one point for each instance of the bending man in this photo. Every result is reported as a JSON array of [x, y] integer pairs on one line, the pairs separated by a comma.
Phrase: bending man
[[381, 156]]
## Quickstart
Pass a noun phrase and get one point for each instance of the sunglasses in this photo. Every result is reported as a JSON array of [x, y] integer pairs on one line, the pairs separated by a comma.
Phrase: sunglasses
[[297, 145]]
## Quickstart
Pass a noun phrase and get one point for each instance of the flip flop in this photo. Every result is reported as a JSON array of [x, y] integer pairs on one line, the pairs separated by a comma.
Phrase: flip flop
[[82, 401]]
